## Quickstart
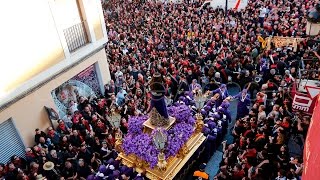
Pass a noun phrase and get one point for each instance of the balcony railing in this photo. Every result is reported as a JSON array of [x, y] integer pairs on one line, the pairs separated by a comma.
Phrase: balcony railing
[[76, 36]]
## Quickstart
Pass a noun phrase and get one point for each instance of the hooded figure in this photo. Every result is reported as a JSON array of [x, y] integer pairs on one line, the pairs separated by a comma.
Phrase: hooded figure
[[225, 110], [115, 175], [243, 103], [212, 104]]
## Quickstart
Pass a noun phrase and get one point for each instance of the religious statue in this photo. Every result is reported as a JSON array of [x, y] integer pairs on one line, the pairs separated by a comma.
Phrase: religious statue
[[159, 114]]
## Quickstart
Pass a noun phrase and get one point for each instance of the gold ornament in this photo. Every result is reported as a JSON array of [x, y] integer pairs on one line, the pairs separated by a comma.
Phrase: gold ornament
[[183, 151], [162, 163], [199, 123], [157, 120]]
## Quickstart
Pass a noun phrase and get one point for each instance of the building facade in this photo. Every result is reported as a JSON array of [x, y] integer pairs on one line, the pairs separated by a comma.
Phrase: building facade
[[54, 52]]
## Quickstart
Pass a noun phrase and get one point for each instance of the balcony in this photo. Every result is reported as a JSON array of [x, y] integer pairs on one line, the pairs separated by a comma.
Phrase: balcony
[[76, 36]]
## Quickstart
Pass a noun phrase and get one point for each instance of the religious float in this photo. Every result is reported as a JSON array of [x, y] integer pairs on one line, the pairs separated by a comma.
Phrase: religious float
[[161, 144]]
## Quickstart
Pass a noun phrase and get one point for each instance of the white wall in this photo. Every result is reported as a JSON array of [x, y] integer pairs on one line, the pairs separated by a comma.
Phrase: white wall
[[28, 113], [33, 46]]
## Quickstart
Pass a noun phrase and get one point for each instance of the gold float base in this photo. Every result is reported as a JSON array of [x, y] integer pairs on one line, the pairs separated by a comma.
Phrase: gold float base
[[175, 164]]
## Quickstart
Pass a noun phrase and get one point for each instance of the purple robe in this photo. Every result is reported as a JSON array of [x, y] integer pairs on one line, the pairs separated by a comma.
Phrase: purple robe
[[211, 103], [223, 94], [194, 86], [243, 103], [158, 102]]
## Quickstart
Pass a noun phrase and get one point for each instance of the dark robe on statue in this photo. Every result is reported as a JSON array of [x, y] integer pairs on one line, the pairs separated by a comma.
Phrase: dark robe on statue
[[158, 99]]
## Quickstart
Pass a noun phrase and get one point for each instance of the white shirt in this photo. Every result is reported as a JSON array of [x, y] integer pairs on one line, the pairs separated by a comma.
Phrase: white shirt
[[263, 12], [261, 116], [125, 51], [118, 73], [74, 108]]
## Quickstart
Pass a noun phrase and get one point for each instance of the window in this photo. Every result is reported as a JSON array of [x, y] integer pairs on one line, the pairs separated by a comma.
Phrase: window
[[10, 142], [76, 36], [69, 18]]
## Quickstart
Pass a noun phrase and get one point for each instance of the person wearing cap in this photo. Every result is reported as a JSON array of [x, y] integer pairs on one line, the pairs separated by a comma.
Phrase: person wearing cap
[[49, 171], [201, 174], [40, 177]]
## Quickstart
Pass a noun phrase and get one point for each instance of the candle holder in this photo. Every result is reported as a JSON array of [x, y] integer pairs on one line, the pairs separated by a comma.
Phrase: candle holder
[[118, 143], [162, 163], [199, 123], [160, 139], [200, 98]]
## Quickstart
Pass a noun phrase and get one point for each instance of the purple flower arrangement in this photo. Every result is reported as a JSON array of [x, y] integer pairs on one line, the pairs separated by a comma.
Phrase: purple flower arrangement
[[135, 124], [181, 113], [178, 136], [140, 144]]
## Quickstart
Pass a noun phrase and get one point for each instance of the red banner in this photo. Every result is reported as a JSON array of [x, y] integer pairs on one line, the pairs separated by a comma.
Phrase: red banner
[[312, 146]]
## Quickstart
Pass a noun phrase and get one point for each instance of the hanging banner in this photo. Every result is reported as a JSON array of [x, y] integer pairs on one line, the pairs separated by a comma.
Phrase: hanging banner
[[262, 41], [312, 146], [280, 42], [232, 4]]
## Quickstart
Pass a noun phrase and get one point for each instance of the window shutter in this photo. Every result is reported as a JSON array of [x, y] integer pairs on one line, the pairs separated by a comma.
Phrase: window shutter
[[10, 142]]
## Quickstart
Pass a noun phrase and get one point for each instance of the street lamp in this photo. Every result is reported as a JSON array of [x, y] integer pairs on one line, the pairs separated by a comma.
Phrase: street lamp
[[313, 21]]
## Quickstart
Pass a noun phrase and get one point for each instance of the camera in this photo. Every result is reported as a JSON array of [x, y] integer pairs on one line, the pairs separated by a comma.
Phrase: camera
[[314, 45]]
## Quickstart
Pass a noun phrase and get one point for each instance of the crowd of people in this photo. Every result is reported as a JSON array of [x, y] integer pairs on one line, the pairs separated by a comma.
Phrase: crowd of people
[[190, 45], [193, 47]]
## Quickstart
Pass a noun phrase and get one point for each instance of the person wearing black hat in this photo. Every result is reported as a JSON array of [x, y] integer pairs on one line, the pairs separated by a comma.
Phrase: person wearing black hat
[[201, 174]]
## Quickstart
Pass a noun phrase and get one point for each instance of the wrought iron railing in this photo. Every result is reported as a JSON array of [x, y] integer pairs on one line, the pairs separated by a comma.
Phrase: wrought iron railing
[[76, 36]]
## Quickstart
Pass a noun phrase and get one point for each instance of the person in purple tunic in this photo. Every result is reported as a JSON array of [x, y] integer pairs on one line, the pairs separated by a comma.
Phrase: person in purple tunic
[[225, 109], [194, 86], [223, 93], [243, 103]]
